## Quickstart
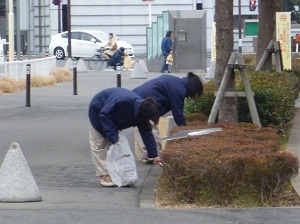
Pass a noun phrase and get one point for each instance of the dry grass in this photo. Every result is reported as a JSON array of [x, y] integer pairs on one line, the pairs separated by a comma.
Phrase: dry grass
[[8, 85], [57, 75], [61, 74]]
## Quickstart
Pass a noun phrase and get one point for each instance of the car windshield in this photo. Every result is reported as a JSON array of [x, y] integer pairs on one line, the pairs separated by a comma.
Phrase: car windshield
[[100, 35]]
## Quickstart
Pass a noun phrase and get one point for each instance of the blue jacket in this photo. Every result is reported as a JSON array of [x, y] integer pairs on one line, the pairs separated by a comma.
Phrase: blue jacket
[[116, 109], [115, 59], [166, 45], [169, 92]]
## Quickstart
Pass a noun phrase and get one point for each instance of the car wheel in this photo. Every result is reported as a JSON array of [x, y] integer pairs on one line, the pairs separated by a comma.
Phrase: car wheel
[[59, 53]]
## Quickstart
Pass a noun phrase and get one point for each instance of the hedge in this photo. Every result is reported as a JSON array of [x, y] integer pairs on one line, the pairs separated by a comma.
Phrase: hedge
[[224, 165]]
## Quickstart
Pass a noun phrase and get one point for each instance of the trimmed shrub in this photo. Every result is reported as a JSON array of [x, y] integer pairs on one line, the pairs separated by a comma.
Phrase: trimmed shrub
[[219, 164]]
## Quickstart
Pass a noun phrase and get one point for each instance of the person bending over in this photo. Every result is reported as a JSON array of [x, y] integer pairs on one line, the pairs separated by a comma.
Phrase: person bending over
[[111, 111]]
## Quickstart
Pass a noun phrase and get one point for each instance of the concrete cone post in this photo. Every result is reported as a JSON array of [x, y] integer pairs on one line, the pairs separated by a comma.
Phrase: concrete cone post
[[138, 72], [16, 180], [69, 64], [211, 72], [143, 66], [81, 66]]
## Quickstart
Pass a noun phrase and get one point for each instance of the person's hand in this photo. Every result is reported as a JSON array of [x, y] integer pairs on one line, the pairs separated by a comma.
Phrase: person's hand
[[157, 160], [117, 143]]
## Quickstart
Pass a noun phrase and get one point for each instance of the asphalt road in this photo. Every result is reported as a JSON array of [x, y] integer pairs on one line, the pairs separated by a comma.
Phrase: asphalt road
[[53, 135]]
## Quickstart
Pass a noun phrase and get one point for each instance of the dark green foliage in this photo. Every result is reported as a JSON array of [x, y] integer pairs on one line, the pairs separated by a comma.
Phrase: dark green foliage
[[275, 95]]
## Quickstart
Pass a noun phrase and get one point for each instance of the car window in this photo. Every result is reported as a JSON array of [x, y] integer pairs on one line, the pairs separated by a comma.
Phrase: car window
[[101, 35], [64, 35], [75, 35], [88, 37]]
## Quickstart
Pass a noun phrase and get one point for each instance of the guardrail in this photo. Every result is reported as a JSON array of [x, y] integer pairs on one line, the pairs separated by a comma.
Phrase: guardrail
[[17, 69]]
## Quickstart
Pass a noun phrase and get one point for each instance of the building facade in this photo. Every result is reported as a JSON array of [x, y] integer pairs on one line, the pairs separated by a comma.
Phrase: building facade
[[37, 20]]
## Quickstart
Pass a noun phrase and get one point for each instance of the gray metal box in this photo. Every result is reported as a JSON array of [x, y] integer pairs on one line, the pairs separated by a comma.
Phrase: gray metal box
[[189, 47]]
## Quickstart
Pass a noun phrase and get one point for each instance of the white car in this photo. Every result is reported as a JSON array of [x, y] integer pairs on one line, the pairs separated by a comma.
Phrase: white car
[[84, 44]]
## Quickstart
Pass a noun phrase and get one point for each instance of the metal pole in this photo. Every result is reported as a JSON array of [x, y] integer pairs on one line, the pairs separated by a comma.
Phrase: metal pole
[[28, 70], [118, 69], [69, 28], [11, 29], [74, 77], [59, 17], [240, 27], [150, 15], [40, 25], [18, 31], [29, 32]]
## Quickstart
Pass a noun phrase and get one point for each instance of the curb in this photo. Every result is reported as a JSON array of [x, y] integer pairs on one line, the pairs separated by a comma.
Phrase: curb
[[293, 146], [147, 196]]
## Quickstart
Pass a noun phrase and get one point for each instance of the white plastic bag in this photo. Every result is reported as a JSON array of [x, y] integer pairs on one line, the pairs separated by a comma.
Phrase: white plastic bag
[[121, 163]]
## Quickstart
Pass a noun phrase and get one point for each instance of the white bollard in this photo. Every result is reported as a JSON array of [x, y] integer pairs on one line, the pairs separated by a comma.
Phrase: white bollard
[[81, 67], [16, 180], [138, 72]]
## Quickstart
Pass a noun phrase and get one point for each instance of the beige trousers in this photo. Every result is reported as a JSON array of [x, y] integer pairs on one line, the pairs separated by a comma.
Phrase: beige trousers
[[140, 149], [99, 147]]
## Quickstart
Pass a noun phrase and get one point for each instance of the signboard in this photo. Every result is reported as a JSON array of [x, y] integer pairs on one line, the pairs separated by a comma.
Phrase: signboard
[[250, 27], [213, 43], [283, 35]]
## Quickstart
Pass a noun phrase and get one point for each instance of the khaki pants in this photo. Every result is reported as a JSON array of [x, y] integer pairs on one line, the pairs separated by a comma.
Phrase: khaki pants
[[99, 146], [140, 149]]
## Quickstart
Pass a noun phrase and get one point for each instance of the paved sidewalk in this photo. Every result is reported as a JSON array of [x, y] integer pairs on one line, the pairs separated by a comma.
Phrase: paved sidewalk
[[53, 134]]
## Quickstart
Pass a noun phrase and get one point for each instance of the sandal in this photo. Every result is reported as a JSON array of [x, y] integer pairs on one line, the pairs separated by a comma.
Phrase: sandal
[[105, 181]]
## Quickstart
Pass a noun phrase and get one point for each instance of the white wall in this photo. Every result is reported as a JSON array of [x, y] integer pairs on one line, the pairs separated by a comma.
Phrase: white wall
[[128, 19]]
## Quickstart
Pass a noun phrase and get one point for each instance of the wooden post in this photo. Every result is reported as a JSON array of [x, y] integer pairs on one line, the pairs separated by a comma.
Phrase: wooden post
[[277, 52], [221, 92], [249, 95], [265, 56]]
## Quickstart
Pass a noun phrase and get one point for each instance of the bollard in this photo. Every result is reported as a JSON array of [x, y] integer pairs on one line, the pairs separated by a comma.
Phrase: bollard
[[28, 70], [74, 77], [118, 69]]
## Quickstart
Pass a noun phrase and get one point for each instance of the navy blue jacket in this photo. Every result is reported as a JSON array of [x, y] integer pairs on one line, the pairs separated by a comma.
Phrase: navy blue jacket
[[169, 92], [115, 59], [166, 45], [116, 109]]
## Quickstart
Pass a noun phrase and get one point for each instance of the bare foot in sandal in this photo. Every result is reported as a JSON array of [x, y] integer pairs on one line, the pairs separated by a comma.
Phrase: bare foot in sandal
[[105, 181]]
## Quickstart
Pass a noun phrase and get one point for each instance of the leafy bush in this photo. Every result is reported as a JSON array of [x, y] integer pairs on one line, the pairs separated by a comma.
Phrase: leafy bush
[[202, 104], [275, 95], [221, 163]]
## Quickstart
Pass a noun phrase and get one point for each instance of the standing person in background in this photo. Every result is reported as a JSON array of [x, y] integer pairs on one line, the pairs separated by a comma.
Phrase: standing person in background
[[169, 92], [166, 48]]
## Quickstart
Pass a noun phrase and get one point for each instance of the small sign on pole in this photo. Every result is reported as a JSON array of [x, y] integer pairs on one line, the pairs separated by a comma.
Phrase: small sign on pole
[[283, 35]]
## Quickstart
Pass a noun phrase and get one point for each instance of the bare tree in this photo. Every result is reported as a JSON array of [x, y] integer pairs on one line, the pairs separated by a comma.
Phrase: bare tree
[[224, 39], [266, 29]]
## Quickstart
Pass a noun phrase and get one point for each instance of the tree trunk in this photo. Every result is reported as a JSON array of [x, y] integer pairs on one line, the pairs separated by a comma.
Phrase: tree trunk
[[224, 39], [266, 29]]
